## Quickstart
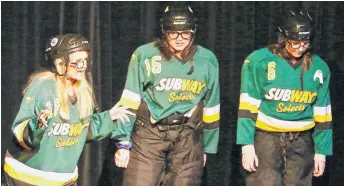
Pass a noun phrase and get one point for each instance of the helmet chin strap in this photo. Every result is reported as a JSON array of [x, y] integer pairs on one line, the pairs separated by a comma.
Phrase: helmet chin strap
[[192, 64]]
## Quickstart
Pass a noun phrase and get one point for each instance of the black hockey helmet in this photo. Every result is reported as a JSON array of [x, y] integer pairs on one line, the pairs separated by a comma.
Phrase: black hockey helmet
[[178, 18], [62, 45], [296, 25]]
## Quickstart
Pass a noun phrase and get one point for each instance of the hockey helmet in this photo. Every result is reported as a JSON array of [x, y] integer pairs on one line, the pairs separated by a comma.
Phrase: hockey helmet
[[62, 45], [296, 25]]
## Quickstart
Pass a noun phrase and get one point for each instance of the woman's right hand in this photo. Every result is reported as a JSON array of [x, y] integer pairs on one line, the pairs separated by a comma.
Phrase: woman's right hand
[[120, 112], [44, 115], [122, 157], [249, 158]]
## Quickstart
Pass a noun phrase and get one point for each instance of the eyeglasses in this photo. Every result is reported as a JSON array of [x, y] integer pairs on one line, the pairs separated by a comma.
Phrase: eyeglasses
[[297, 44], [79, 64], [175, 34]]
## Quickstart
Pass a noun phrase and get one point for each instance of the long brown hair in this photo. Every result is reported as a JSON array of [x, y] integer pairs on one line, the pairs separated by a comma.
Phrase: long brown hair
[[165, 52], [279, 49], [163, 48]]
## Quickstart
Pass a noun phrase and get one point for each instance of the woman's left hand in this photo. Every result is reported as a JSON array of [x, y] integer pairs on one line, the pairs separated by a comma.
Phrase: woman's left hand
[[204, 159], [319, 167], [120, 112]]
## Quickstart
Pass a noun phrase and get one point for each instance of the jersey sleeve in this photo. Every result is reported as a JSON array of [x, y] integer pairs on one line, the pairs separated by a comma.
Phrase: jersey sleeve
[[137, 77], [211, 111], [101, 126], [322, 134], [252, 78], [25, 127]]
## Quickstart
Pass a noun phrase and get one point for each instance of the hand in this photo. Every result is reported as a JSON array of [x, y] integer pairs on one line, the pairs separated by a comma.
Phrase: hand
[[121, 113], [122, 157], [249, 160], [44, 115], [204, 159], [319, 167]]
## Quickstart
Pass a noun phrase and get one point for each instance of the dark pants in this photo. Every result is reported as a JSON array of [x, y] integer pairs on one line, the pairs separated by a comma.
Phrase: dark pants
[[284, 159], [165, 157]]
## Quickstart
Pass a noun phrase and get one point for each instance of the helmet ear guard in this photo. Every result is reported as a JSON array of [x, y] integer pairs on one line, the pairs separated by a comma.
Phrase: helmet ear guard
[[60, 66]]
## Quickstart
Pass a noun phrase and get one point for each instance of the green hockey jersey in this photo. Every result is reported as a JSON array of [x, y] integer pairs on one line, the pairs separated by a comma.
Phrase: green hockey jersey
[[49, 155], [277, 97], [167, 89]]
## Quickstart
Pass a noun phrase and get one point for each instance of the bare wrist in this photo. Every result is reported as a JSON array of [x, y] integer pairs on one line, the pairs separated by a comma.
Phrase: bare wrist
[[320, 157], [248, 149]]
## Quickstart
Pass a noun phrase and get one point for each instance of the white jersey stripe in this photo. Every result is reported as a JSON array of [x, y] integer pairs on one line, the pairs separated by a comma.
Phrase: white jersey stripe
[[281, 123], [322, 110], [244, 97], [54, 176], [131, 95], [212, 110]]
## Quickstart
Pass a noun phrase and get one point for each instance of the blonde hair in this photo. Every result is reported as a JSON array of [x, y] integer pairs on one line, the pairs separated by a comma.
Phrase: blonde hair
[[83, 91]]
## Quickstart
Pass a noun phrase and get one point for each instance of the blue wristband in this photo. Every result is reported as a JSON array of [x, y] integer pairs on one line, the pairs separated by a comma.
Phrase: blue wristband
[[124, 146]]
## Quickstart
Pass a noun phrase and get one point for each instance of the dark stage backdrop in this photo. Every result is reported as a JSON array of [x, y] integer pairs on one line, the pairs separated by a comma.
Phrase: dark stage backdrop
[[231, 30]]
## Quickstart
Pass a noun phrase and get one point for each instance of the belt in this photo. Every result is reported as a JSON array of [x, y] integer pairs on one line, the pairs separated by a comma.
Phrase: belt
[[169, 127], [174, 119]]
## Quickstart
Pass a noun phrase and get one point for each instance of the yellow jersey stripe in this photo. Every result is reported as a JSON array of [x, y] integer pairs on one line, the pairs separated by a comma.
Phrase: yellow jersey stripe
[[248, 106], [264, 126], [323, 118], [128, 102], [212, 118], [34, 178], [286, 124]]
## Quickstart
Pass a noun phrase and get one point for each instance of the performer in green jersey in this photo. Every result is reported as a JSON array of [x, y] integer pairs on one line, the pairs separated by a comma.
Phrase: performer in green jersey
[[284, 123], [173, 87], [56, 118]]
